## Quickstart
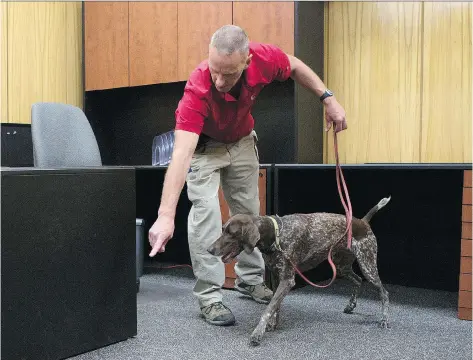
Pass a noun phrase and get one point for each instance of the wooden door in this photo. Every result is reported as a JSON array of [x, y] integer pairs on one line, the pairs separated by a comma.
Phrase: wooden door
[[153, 42], [230, 275], [267, 22], [197, 22], [106, 45]]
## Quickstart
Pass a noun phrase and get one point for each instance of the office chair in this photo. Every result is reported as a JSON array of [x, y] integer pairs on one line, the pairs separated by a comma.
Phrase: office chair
[[62, 137]]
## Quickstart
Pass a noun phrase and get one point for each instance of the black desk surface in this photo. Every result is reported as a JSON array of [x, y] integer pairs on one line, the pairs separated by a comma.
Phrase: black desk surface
[[68, 170]]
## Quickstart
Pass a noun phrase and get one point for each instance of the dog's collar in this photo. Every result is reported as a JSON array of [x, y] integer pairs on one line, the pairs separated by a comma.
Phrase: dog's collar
[[276, 244]]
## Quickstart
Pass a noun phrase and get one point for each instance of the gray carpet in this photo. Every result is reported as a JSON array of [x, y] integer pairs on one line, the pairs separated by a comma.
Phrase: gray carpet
[[312, 325]]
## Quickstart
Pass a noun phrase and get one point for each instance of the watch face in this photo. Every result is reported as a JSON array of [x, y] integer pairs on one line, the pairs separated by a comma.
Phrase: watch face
[[329, 92]]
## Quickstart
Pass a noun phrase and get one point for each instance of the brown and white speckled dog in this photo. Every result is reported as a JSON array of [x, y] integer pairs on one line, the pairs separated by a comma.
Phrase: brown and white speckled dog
[[305, 239]]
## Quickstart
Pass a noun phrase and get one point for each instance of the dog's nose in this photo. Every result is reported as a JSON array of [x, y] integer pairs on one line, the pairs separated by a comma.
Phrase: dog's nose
[[211, 249]]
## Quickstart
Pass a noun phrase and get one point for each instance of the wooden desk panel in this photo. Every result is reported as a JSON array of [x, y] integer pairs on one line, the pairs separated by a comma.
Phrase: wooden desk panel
[[464, 296]]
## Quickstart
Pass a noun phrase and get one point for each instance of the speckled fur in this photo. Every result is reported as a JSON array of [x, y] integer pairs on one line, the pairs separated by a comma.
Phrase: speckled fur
[[305, 239]]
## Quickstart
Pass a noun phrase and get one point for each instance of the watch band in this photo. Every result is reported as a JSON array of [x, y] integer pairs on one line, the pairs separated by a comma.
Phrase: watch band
[[327, 93]]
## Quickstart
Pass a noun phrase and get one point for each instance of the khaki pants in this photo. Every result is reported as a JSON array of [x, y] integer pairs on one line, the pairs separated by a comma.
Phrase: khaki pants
[[236, 167]]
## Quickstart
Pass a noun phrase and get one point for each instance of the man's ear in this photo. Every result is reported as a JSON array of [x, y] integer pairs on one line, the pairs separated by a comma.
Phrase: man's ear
[[251, 237], [248, 61]]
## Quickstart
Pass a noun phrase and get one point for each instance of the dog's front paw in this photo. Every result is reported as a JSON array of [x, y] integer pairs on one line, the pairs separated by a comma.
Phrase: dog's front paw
[[271, 326], [256, 337], [272, 323], [348, 309], [384, 324]]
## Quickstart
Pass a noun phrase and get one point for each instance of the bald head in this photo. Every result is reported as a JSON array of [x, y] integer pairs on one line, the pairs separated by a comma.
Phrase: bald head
[[229, 39]]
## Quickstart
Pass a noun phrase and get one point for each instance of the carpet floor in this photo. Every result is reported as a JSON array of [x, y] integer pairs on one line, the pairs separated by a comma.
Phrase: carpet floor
[[424, 325]]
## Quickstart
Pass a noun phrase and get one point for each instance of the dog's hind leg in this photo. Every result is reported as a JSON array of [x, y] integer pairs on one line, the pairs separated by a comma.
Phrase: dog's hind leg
[[366, 255], [355, 279], [344, 260]]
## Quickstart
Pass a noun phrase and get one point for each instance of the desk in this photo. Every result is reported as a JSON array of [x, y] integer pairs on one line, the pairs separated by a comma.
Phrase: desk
[[68, 260], [424, 233], [149, 184]]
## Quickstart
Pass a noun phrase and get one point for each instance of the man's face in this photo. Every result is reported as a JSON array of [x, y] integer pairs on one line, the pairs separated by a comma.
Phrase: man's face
[[226, 69]]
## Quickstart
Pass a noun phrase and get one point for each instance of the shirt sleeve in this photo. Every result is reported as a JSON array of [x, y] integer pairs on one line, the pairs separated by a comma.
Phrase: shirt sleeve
[[278, 61], [191, 112]]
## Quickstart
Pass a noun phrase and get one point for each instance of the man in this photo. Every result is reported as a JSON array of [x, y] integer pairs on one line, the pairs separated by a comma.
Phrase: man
[[214, 137]]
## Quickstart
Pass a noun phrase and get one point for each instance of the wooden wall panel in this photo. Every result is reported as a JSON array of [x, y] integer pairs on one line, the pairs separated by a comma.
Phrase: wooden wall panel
[[106, 45], [447, 94], [464, 296], [47, 65], [153, 42], [74, 54], [373, 66], [402, 70], [197, 22], [3, 63], [271, 22]]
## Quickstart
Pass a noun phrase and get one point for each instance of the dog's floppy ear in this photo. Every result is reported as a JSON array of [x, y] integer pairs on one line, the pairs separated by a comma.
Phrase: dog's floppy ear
[[251, 237]]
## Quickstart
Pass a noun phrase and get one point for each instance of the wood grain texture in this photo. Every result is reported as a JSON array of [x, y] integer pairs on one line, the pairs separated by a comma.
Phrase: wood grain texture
[[466, 230], [106, 45], [464, 313], [467, 196], [464, 299], [466, 247], [262, 191], [224, 209], [267, 22], [3, 63], [466, 213], [46, 66], [465, 265], [447, 94], [465, 282], [197, 21], [74, 55], [467, 178], [374, 67], [153, 42]]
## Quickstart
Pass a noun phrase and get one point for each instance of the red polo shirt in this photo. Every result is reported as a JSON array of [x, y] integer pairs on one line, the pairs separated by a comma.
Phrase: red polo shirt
[[220, 116]]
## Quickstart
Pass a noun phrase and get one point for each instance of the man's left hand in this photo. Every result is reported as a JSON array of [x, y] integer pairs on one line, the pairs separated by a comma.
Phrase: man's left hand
[[334, 114]]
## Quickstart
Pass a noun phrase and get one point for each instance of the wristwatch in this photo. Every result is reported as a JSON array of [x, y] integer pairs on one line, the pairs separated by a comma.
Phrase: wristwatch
[[327, 93]]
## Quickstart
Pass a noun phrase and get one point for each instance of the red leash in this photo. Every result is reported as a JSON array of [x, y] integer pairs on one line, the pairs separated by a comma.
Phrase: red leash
[[348, 213]]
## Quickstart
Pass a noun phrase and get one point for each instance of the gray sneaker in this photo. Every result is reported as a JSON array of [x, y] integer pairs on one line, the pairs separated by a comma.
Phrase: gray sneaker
[[260, 293], [217, 314]]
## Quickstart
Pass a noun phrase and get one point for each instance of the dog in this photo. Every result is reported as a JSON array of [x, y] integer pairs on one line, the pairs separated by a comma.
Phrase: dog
[[304, 240]]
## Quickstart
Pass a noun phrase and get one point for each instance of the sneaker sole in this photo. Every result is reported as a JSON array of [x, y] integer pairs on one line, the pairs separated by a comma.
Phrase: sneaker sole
[[246, 292], [219, 323]]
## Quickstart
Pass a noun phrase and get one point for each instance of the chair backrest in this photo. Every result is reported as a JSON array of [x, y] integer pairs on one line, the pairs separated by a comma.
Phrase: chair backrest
[[62, 137]]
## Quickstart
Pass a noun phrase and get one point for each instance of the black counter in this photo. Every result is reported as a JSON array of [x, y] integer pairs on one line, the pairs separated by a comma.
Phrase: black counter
[[68, 260]]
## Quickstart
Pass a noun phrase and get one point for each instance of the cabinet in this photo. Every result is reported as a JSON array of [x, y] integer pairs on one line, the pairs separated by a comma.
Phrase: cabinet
[[153, 42], [143, 43], [230, 275], [106, 45], [267, 22], [197, 22]]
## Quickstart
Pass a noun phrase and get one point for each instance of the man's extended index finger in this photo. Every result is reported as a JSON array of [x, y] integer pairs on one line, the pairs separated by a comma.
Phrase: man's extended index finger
[[155, 248]]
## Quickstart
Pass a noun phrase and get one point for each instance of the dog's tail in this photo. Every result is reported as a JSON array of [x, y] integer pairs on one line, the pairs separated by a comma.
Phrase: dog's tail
[[376, 208]]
